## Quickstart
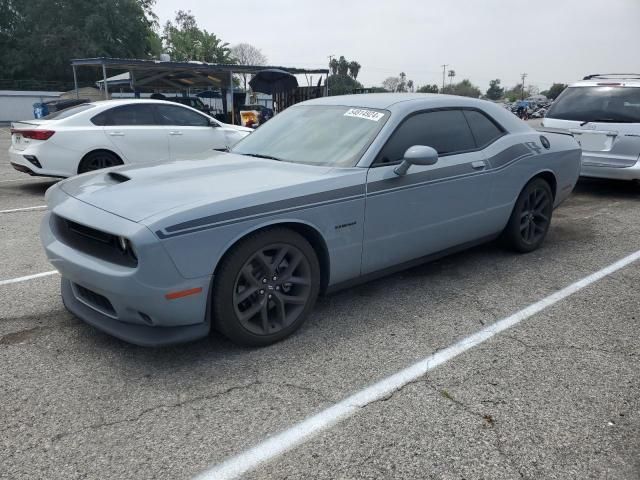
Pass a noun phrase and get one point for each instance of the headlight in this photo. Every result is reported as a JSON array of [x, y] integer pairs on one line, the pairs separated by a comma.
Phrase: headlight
[[123, 243]]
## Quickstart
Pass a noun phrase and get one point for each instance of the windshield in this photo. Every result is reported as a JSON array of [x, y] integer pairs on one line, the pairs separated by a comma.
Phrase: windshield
[[598, 104], [315, 135]]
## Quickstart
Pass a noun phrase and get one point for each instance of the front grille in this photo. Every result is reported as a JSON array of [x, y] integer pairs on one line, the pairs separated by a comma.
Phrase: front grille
[[94, 300], [92, 241]]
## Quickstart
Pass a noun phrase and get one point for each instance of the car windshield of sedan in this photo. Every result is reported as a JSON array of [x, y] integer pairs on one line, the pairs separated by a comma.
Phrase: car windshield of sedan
[[323, 135]]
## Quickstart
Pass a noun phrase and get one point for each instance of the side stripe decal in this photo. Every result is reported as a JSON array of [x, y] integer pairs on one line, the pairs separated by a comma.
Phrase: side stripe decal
[[501, 160]]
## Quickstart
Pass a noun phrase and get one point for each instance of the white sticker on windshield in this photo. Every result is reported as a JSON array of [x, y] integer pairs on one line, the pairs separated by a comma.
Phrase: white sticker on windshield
[[362, 113]]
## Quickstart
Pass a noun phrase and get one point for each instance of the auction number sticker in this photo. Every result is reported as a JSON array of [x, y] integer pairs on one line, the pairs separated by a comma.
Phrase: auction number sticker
[[362, 113]]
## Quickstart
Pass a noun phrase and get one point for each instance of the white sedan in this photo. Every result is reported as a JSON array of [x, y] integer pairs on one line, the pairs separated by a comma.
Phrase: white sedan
[[97, 135]]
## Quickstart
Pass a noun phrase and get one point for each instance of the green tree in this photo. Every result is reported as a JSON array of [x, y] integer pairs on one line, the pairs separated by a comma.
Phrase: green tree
[[343, 66], [342, 84], [495, 91], [38, 38], [428, 89], [464, 88], [555, 90], [343, 76], [516, 93], [354, 69], [333, 66], [184, 41]]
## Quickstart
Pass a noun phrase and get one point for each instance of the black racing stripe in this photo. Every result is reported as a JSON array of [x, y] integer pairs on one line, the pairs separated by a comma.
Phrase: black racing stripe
[[501, 159], [408, 181], [270, 208], [513, 152]]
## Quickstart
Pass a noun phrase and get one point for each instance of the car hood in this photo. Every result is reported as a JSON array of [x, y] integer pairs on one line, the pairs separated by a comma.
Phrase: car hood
[[140, 192]]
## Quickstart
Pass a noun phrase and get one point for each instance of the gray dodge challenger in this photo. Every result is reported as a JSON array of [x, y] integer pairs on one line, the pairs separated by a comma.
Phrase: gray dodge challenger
[[328, 193]]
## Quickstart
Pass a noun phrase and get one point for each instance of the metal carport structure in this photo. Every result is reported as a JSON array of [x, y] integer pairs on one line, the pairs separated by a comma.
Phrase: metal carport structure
[[159, 74]]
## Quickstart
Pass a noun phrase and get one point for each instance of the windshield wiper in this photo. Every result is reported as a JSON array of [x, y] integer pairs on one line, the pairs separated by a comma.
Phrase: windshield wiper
[[259, 155]]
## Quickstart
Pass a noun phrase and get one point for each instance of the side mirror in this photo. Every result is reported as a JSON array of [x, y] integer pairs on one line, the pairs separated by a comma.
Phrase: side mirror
[[416, 155]]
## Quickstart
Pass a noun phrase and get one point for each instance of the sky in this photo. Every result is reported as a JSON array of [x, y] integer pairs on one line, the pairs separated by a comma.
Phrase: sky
[[550, 40]]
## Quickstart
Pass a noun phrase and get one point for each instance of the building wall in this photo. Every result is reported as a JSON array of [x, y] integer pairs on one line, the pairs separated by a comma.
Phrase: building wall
[[18, 105]]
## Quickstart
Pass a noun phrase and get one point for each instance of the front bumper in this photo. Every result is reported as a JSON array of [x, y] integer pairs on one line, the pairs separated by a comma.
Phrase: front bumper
[[123, 301], [599, 167], [143, 335]]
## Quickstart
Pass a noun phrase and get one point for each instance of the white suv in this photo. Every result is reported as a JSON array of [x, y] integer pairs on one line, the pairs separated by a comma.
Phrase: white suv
[[603, 113]]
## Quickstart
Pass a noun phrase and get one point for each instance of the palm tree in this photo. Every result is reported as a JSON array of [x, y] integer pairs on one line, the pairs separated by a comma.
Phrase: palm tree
[[451, 74], [354, 69], [343, 66], [410, 85], [333, 65]]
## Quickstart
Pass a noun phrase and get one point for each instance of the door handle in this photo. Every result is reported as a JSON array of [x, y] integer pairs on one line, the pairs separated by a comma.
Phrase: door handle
[[478, 164], [175, 133], [116, 134]]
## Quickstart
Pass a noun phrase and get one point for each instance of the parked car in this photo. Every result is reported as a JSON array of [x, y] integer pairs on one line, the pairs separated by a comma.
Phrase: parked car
[[193, 102], [246, 240], [96, 135], [603, 113]]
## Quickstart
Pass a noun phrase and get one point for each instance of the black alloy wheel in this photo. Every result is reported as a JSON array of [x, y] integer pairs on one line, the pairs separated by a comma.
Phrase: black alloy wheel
[[98, 160], [265, 287], [531, 217], [272, 288], [535, 215]]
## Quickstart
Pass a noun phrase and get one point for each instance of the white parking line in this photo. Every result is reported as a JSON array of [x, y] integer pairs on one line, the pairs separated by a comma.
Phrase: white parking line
[[280, 443], [28, 277], [24, 209], [26, 179]]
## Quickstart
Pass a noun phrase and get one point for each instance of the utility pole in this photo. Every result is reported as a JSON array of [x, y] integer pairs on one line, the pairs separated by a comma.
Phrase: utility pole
[[444, 68], [523, 76]]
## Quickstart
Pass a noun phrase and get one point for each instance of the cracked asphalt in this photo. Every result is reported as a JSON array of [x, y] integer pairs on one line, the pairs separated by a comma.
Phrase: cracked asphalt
[[556, 397]]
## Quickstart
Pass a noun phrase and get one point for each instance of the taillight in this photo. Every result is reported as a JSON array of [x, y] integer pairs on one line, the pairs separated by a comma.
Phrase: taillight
[[34, 134]]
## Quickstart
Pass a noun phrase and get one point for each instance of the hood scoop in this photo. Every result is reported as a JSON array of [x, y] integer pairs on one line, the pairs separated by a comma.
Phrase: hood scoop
[[118, 177]]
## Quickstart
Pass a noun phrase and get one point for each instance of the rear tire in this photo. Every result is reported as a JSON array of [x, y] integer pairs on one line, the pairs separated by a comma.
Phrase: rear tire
[[265, 287], [98, 160], [531, 217]]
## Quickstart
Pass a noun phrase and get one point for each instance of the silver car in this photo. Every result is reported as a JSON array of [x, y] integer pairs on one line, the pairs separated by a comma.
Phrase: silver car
[[603, 113], [329, 192]]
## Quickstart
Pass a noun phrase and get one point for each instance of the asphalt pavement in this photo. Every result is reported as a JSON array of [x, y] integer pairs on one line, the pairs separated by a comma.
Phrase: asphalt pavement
[[557, 396]]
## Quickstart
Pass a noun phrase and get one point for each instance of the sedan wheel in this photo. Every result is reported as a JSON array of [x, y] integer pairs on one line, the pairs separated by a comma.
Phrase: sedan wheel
[[265, 287], [97, 161], [531, 217]]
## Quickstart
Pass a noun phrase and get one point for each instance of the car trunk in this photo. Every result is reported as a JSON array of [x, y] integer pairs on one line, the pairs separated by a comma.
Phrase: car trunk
[[18, 140]]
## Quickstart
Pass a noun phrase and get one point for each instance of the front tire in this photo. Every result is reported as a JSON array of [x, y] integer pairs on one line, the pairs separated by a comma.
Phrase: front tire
[[265, 287], [531, 217]]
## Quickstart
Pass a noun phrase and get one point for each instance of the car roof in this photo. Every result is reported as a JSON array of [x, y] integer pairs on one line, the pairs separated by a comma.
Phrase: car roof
[[611, 79], [407, 103], [126, 101], [387, 101]]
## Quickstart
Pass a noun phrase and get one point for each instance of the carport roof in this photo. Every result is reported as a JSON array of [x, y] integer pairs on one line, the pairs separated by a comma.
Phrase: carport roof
[[163, 74], [139, 64]]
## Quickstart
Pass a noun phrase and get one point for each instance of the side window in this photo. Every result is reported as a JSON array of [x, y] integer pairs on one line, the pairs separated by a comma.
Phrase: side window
[[179, 116], [101, 119], [484, 129], [445, 130], [127, 115]]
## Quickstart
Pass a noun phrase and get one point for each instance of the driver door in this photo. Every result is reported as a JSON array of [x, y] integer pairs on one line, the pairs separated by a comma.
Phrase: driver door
[[430, 208]]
